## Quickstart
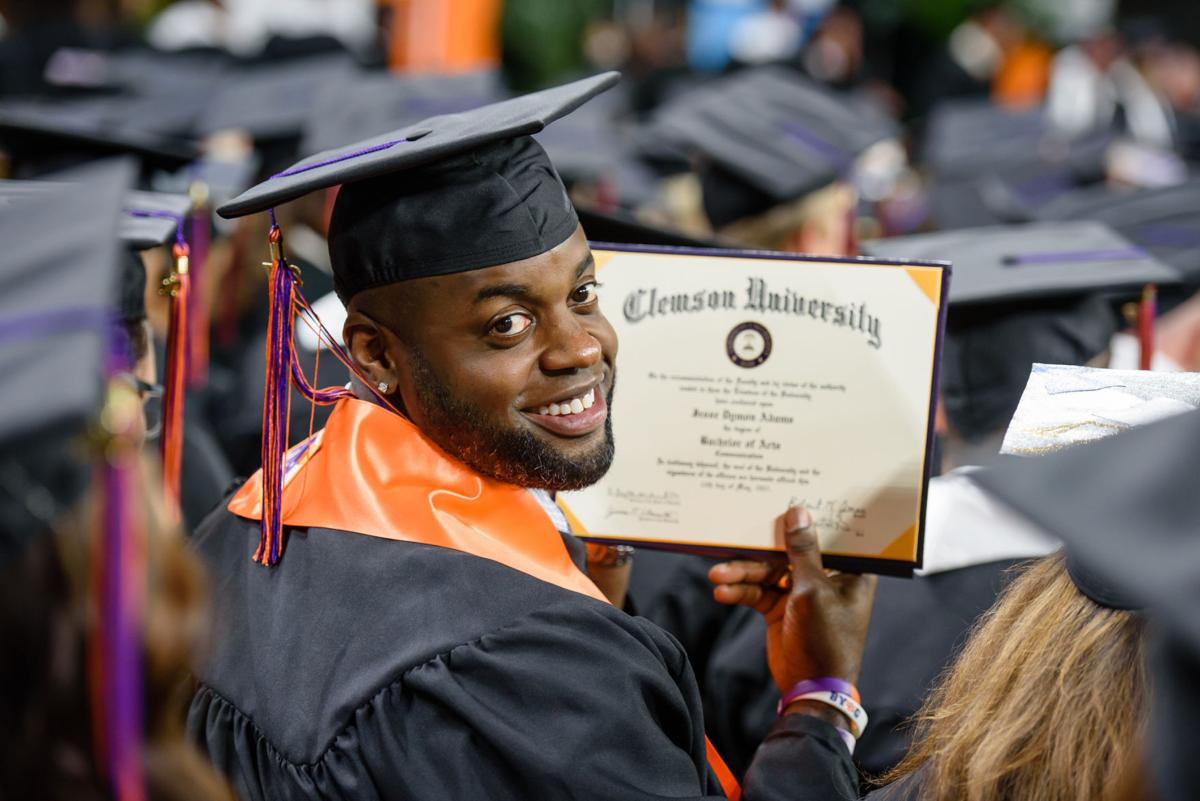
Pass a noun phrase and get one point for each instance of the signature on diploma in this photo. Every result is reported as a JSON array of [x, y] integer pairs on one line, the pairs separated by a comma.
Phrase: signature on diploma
[[644, 506], [665, 498], [834, 514], [645, 514]]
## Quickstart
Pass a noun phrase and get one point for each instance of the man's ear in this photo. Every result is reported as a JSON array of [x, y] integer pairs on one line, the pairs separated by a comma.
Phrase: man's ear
[[373, 348]]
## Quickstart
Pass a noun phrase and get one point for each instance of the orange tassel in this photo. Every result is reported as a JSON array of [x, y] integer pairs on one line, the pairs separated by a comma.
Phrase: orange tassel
[[178, 286]]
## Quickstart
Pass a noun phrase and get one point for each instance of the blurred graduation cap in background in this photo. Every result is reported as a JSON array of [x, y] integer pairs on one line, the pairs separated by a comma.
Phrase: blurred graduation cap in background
[[992, 165], [1039, 292], [768, 136], [1127, 509], [71, 428], [273, 103], [1165, 222], [41, 136], [58, 288], [152, 219], [366, 104]]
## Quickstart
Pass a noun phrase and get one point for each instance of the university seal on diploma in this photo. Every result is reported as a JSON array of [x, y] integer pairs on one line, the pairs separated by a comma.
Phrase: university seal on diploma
[[749, 381]]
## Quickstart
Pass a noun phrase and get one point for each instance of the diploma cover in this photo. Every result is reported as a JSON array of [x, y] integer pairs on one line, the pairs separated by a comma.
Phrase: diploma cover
[[747, 381]]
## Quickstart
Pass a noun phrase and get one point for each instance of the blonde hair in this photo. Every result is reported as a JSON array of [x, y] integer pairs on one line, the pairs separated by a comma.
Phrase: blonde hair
[[1046, 702], [774, 228]]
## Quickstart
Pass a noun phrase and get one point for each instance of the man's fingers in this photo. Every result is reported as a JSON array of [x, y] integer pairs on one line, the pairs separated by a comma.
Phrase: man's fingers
[[745, 572], [743, 594], [803, 548]]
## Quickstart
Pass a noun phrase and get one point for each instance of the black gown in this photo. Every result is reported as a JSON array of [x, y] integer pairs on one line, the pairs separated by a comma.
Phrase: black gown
[[368, 668]]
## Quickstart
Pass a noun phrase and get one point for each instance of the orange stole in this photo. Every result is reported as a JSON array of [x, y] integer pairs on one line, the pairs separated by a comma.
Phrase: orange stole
[[371, 471]]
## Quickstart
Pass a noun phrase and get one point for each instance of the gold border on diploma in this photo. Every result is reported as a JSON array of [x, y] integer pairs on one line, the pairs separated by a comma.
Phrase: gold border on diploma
[[830, 362]]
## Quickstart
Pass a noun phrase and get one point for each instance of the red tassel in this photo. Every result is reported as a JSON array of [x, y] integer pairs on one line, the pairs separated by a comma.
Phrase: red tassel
[[1147, 312], [178, 287], [198, 311]]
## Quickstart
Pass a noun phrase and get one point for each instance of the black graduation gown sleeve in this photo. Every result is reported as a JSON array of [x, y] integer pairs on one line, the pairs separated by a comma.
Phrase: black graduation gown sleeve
[[811, 755], [917, 626]]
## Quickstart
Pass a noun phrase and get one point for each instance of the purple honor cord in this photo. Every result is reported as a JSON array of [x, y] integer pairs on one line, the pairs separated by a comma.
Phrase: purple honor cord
[[1075, 256], [338, 159]]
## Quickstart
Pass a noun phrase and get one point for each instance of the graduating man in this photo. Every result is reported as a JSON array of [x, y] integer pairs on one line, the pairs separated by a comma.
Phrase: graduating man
[[402, 612]]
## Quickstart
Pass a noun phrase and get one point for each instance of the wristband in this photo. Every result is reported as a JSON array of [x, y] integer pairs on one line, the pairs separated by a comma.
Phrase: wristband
[[843, 703], [847, 738], [814, 686]]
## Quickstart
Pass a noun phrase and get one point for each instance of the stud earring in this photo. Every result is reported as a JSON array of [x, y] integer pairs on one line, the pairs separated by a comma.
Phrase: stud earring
[[383, 387]]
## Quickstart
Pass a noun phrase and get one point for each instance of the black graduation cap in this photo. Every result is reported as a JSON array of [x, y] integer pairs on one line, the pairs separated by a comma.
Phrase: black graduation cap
[[1165, 221], [452, 193], [971, 138], [1038, 292], [1127, 509], [1034, 260], [369, 104], [769, 136], [70, 426], [274, 101], [419, 144], [58, 282], [44, 135], [993, 165], [152, 219]]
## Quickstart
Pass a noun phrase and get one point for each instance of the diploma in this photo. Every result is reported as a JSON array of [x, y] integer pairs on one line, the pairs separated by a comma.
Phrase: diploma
[[746, 382]]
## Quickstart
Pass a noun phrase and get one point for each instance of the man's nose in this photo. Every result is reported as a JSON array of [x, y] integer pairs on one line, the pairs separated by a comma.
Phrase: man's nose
[[570, 346]]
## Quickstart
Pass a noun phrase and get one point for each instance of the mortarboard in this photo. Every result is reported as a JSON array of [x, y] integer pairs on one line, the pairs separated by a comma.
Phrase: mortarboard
[[1166, 221], [1021, 294], [69, 427], [273, 102], [993, 165], [147, 220], [155, 219], [1128, 510], [1035, 260], [43, 135], [152, 219], [769, 136], [449, 194], [369, 104], [970, 138]]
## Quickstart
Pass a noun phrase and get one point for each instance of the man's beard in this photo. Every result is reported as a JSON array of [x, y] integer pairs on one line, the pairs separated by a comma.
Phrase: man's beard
[[512, 455]]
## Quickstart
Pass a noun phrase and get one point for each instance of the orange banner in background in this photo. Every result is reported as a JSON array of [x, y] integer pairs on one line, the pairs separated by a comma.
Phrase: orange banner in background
[[442, 35]]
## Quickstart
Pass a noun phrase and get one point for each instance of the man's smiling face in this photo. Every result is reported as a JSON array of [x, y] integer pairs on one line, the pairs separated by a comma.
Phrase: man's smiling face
[[508, 368]]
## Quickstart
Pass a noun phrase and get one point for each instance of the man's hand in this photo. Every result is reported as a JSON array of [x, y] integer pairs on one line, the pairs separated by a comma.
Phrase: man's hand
[[816, 621]]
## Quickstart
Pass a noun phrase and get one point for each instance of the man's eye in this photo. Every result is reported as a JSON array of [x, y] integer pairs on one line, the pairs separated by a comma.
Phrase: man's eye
[[511, 324], [586, 293]]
